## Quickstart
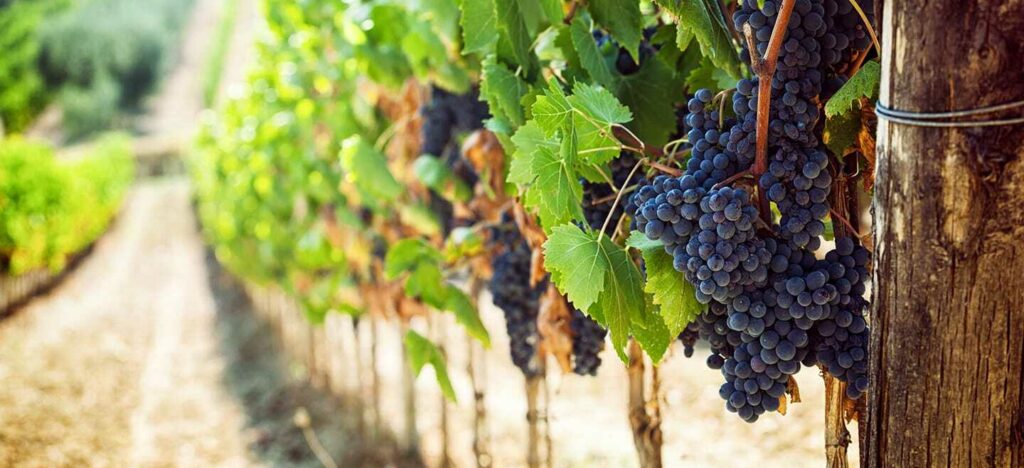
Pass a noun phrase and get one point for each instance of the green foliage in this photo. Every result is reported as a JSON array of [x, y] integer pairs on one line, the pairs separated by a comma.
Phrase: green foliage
[[51, 209], [670, 293], [703, 20], [864, 84], [22, 88], [601, 280], [305, 156], [422, 352], [842, 111]]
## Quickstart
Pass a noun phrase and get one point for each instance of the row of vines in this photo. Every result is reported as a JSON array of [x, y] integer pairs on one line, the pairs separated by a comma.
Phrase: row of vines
[[629, 172]]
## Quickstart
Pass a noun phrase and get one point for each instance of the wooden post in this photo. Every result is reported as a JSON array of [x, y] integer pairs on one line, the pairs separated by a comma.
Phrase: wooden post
[[947, 334], [533, 432], [646, 426]]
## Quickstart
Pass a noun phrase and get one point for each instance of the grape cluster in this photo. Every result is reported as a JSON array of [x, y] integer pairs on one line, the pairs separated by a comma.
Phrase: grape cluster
[[446, 113], [512, 293], [587, 343], [773, 305], [688, 337]]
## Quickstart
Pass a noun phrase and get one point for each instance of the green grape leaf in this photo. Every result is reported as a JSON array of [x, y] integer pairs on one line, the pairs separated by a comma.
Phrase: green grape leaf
[[513, 28], [576, 257], [651, 333], [599, 104], [466, 314], [427, 284], [622, 301], [557, 183], [596, 110], [405, 254], [462, 242], [528, 140], [419, 217], [674, 295], [553, 10], [586, 49], [367, 169], [703, 20], [864, 84], [435, 174], [479, 26], [651, 94], [552, 110], [622, 19], [503, 90], [841, 131], [422, 352], [598, 277]]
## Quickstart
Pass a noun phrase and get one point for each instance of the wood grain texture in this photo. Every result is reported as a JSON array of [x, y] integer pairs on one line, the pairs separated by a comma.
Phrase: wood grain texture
[[948, 319]]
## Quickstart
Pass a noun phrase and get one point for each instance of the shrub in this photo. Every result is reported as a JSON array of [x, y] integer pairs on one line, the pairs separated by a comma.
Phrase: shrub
[[22, 90], [51, 209], [104, 47]]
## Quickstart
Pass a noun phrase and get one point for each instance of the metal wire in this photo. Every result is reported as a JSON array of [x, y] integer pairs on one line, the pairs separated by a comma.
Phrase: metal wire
[[933, 119]]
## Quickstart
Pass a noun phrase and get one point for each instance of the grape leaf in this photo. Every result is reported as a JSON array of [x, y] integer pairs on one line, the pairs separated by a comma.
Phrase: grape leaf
[[651, 333], [503, 90], [479, 26], [576, 257], [599, 279], [864, 84], [513, 28], [562, 194], [841, 131], [599, 104], [367, 169], [405, 254], [419, 217], [622, 300], [703, 20], [623, 21], [552, 110], [552, 9], [466, 314], [651, 94], [528, 140], [586, 49], [422, 352], [674, 295], [426, 283]]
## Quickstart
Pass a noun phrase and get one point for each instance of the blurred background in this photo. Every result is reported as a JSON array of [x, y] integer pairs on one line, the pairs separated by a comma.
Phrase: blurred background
[[124, 341]]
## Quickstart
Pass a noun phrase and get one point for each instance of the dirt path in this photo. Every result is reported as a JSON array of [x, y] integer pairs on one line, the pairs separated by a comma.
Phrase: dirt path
[[120, 362]]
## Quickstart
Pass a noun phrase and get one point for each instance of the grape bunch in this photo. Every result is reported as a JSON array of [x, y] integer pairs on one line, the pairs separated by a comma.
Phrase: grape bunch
[[446, 113], [773, 306], [512, 293]]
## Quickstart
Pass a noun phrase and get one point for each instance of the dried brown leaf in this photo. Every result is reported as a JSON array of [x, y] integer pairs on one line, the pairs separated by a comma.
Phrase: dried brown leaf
[[866, 141], [553, 325], [793, 390]]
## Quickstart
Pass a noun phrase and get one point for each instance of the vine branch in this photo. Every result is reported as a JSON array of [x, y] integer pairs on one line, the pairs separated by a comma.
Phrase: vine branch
[[765, 70]]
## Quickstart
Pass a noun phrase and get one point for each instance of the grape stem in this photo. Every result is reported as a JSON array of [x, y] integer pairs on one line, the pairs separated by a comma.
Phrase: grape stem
[[618, 197], [622, 133], [764, 67], [666, 169], [734, 178], [608, 198]]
